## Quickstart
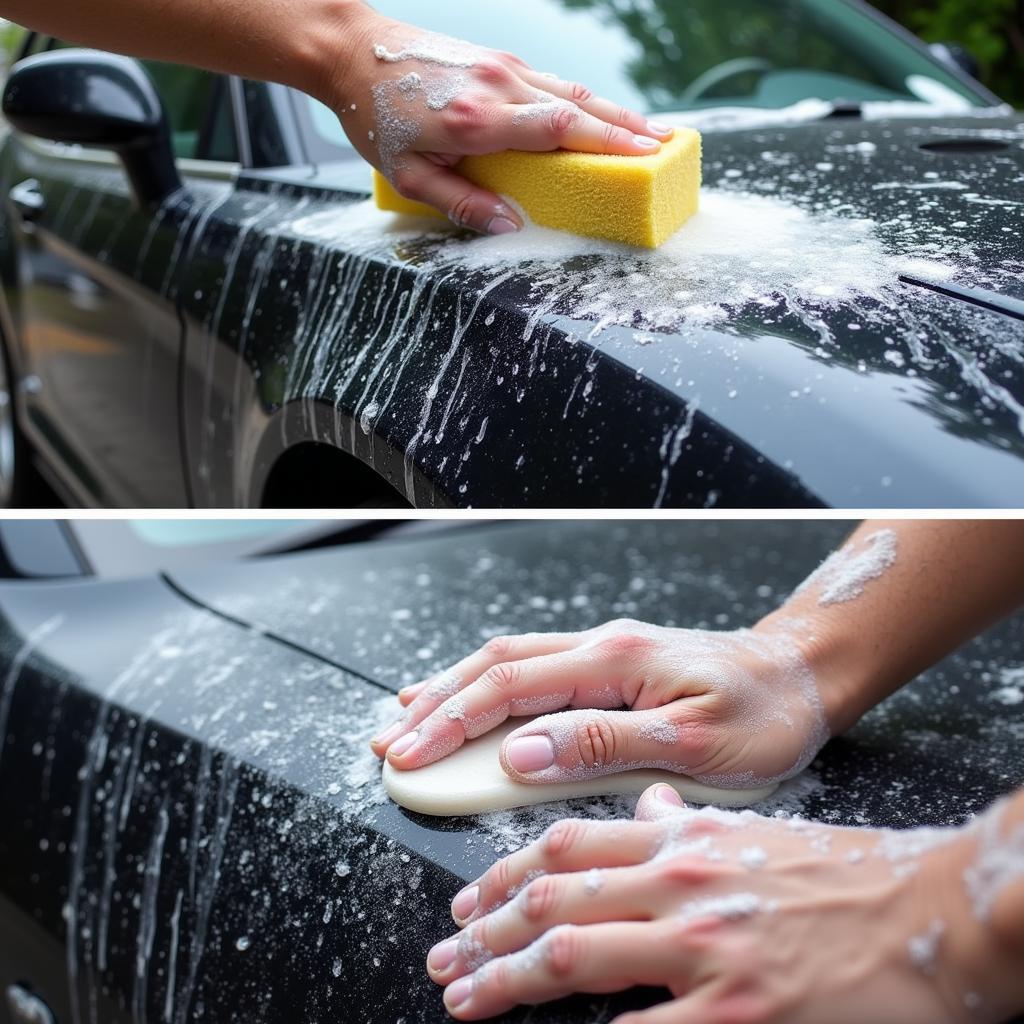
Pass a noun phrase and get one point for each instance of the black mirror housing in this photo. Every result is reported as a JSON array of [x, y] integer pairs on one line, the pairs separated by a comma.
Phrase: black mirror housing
[[100, 100]]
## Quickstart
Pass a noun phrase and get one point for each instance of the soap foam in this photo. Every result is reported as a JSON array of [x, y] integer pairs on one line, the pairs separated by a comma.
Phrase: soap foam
[[924, 948], [811, 261], [844, 575], [999, 862], [734, 907], [432, 48]]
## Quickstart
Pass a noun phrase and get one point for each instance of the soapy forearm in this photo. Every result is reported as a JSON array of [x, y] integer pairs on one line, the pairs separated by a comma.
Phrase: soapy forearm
[[897, 598]]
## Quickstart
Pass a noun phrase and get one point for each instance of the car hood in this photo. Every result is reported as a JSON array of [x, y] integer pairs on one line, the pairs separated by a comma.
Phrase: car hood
[[394, 612], [849, 305]]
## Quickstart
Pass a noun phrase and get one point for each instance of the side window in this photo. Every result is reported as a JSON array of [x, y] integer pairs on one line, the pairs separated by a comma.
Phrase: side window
[[198, 108], [219, 140], [199, 122]]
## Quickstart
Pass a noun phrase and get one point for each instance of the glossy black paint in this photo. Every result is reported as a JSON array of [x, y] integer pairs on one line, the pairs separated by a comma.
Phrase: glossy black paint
[[193, 825], [242, 328], [100, 100]]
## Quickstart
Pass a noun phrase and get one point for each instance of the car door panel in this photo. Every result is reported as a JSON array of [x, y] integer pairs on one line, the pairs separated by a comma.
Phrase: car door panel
[[98, 329]]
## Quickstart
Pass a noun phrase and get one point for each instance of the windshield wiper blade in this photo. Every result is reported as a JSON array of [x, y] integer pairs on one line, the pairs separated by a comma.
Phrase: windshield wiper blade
[[844, 109]]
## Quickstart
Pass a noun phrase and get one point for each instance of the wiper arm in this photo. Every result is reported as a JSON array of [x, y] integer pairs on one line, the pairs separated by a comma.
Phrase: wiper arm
[[844, 109]]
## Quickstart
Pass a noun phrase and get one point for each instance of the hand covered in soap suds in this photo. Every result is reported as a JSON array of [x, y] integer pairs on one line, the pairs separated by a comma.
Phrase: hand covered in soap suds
[[730, 709], [414, 103], [742, 918]]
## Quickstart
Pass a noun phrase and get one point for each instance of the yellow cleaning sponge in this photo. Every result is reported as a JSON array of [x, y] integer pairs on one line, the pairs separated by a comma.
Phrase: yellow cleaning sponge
[[638, 200]]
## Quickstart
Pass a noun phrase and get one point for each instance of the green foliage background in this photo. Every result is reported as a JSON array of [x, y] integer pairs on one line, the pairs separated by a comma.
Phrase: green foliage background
[[993, 31]]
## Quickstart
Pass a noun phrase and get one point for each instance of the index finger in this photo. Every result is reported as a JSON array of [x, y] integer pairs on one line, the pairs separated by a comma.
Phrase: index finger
[[532, 686], [430, 695], [604, 110]]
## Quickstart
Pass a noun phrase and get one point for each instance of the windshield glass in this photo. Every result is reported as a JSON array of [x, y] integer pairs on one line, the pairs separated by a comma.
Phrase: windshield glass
[[187, 532], [675, 55]]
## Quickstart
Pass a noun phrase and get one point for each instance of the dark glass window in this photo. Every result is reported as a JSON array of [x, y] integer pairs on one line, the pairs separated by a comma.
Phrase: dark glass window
[[219, 140], [268, 144], [188, 96]]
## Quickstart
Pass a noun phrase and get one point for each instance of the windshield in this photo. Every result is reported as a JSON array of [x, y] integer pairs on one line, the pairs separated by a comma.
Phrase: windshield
[[187, 532], [677, 55]]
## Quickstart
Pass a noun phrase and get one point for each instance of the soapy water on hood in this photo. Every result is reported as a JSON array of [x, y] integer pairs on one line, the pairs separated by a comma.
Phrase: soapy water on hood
[[740, 248]]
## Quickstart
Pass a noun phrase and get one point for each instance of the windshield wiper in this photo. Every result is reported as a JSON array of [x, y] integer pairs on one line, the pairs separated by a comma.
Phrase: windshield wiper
[[844, 109]]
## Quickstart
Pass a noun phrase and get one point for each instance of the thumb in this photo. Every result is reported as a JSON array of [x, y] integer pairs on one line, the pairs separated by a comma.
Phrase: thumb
[[574, 745], [658, 802]]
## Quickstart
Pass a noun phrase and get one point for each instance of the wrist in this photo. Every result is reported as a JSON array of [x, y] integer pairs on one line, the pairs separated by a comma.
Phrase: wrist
[[840, 662], [325, 47]]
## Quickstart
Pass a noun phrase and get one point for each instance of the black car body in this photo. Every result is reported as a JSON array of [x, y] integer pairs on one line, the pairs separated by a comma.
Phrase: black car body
[[194, 826], [256, 339]]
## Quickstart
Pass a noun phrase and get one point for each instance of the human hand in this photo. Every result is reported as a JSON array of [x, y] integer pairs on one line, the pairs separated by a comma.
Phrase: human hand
[[729, 709], [742, 918], [414, 103]]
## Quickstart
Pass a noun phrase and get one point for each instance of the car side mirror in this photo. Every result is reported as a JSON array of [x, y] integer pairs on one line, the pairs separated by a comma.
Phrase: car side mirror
[[956, 56], [101, 100]]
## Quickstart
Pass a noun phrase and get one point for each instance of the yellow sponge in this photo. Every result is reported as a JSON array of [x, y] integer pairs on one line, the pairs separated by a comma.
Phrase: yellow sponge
[[638, 200]]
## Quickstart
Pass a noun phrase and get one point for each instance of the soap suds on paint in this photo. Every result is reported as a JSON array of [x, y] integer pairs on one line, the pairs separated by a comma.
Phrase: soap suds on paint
[[845, 574], [1011, 690]]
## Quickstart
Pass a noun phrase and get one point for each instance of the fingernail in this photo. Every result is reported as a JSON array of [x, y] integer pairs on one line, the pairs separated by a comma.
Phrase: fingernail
[[391, 734], [667, 795], [531, 753], [659, 129], [409, 691], [465, 903], [458, 993], [642, 140], [502, 226], [399, 747], [442, 956]]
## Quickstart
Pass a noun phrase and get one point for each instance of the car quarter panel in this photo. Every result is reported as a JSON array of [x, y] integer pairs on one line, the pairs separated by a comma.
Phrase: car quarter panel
[[195, 827], [452, 387], [313, 318]]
